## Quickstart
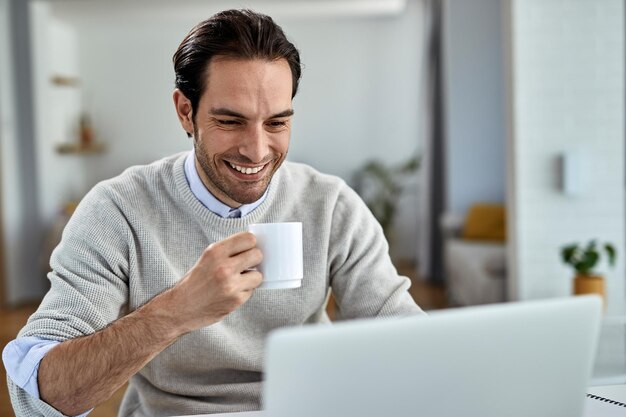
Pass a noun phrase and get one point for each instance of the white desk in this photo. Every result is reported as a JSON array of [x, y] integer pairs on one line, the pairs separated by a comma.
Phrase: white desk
[[596, 408], [613, 392], [610, 361]]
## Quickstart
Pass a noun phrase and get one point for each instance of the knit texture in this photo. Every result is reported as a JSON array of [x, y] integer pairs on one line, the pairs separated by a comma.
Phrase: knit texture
[[136, 235]]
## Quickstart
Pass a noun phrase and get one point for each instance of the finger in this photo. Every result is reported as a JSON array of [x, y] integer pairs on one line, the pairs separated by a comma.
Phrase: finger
[[239, 243], [251, 280], [248, 260], [234, 244]]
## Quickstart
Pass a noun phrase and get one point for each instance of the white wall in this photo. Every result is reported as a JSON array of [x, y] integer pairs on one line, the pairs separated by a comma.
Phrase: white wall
[[474, 92], [358, 98], [57, 111], [567, 93]]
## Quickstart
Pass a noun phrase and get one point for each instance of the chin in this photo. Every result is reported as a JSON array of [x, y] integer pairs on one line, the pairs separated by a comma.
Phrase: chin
[[248, 199], [248, 196]]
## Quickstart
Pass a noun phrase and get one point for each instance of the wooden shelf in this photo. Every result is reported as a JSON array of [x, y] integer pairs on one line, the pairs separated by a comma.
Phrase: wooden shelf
[[77, 148], [65, 81]]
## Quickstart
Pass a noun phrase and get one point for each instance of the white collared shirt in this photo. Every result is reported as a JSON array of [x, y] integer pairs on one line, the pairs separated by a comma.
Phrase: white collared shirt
[[209, 200]]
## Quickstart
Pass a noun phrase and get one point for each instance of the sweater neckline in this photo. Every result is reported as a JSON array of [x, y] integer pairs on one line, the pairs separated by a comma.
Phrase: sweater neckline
[[184, 192]]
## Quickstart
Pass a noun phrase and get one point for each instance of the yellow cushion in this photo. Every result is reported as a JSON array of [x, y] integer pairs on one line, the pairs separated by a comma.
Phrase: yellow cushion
[[485, 222]]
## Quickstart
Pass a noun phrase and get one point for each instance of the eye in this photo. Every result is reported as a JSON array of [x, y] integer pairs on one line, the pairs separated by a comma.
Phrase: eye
[[277, 123], [227, 122]]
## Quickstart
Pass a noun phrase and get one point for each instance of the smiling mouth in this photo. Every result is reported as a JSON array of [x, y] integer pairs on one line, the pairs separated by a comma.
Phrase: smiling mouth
[[247, 170]]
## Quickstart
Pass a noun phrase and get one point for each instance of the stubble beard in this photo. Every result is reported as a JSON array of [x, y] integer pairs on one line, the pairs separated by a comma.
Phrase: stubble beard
[[241, 192]]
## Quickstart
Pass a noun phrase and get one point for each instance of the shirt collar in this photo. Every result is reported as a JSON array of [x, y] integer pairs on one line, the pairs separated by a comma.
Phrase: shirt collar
[[209, 200]]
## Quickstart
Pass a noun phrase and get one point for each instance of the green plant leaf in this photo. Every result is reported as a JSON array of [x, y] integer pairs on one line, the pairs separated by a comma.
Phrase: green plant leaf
[[610, 251], [568, 252], [591, 246], [584, 258], [410, 166], [588, 260]]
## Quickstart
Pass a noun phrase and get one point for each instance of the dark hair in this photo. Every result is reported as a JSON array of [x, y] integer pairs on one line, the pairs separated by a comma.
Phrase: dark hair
[[233, 33]]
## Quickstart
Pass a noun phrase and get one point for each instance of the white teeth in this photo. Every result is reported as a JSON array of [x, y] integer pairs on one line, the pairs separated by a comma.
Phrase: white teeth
[[247, 171]]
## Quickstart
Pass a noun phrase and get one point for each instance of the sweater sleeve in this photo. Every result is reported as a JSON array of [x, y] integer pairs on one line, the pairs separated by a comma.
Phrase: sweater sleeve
[[88, 284], [363, 278]]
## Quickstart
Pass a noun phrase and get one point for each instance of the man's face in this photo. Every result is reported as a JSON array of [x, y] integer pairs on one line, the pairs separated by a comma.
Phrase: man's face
[[242, 127]]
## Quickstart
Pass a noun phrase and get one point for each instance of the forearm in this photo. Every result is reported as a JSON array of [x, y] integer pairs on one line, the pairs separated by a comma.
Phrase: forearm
[[79, 374]]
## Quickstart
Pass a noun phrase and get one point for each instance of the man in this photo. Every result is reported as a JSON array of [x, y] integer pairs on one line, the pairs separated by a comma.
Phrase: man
[[154, 278]]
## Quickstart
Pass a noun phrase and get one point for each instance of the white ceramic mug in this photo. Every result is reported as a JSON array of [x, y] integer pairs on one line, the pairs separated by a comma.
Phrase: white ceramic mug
[[281, 244]]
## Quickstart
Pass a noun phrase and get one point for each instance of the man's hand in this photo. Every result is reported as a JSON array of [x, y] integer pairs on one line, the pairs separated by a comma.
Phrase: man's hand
[[79, 374], [220, 281]]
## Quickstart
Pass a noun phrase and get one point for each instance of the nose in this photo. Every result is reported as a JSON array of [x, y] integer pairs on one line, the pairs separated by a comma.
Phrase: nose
[[255, 144]]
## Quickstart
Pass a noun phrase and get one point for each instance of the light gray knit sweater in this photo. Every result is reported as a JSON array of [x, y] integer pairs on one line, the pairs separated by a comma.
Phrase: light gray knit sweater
[[136, 235]]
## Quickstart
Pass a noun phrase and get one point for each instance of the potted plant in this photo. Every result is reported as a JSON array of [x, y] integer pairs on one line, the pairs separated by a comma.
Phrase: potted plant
[[380, 186], [584, 258]]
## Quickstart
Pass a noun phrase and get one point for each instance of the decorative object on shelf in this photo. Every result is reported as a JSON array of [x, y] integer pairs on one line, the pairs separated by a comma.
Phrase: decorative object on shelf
[[86, 143], [583, 259], [380, 187], [86, 136]]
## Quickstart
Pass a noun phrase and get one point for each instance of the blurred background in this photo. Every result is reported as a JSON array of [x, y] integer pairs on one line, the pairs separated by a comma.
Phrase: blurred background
[[484, 134]]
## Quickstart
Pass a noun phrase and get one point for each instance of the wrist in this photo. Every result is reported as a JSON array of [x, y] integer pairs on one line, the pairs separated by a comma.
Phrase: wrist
[[164, 317]]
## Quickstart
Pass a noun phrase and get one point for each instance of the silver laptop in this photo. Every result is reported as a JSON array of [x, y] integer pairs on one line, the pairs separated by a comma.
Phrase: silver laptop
[[505, 360]]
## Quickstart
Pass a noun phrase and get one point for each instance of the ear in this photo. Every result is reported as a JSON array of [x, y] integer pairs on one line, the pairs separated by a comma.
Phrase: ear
[[184, 111]]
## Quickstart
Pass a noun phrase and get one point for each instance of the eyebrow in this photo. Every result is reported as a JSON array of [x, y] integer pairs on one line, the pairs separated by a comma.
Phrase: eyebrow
[[222, 111]]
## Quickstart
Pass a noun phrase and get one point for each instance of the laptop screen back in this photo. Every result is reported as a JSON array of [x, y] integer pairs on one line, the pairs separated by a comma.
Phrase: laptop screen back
[[514, 359]]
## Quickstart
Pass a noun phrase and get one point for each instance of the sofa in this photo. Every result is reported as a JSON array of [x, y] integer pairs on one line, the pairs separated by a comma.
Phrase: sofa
[[475, 255]]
